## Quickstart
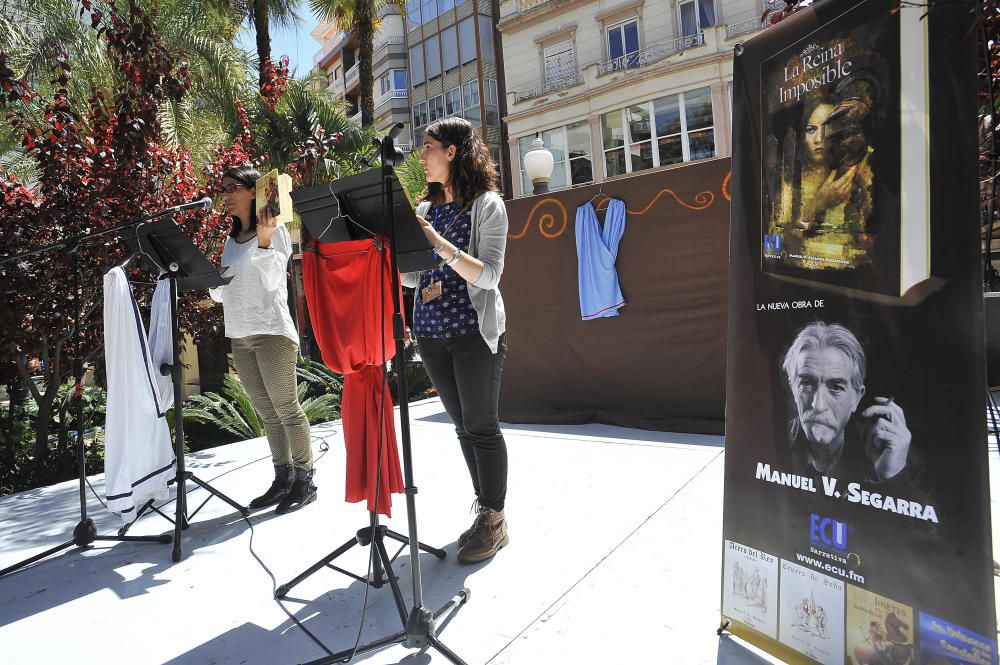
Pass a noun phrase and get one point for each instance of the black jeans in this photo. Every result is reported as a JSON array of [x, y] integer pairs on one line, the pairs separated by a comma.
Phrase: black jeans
[[466, 375]]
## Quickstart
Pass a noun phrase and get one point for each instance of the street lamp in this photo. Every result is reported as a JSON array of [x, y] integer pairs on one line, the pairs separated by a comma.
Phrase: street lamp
[[538, 163]]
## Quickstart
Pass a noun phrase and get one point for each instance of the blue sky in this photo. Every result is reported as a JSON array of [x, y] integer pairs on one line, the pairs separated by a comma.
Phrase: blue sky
[[295, 42]]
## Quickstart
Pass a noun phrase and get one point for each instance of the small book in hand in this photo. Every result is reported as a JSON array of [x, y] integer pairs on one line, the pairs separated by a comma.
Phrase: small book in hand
[[274, 191]]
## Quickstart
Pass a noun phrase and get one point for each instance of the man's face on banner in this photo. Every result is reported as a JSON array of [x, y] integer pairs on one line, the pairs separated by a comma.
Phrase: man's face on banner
[[824, 395]]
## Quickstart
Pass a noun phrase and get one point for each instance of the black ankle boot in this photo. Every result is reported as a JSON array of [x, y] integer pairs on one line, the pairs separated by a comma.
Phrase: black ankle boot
[[303, 492], [284, 476]]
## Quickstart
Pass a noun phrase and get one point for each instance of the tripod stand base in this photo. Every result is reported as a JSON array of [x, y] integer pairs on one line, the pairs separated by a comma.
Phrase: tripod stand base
[[84, 535], [419, 633]]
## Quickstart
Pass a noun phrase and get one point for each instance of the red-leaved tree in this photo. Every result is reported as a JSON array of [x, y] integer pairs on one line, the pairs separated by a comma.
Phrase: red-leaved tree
[[95, 171]]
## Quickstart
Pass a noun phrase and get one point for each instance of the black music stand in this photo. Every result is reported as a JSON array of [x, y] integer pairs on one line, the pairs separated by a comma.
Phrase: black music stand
[[168, 248], [376, 203]]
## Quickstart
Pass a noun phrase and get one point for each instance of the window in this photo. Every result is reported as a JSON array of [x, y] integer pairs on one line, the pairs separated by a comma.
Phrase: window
[[470, 101], [560, 61], [417, 65], [492, 107], [623, 44], [449, 48], [467, 41], [453, 102], [435, 108], [668, 130], [399, 79], [695, 16], [486, 38], [420, 114], [432, 57], [412, 14], [428, 10], [445, 5], [570, 148]]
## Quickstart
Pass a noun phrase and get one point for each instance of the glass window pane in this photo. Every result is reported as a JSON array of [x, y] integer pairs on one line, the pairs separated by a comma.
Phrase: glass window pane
[[412, 14], [689, 24], [612, 130], [467, 40], [642, 156], [558, 178], [399, 79], [486, 38], [701, 144], [449, 48], [698, 108], [452, 102], [428, 10], [671, 151], [432, 57], [445, 5], [638, 123], [578, 139], [417, 64], [614, 162], [706, 11], [560, 61], [631, 31], [523, 146], [668, 115], [492, 116], [581, 170], [615, 46], [526, 186], [556, 143]]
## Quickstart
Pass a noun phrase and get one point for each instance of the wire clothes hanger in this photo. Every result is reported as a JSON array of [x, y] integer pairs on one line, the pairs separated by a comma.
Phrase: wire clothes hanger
[[341, 215]]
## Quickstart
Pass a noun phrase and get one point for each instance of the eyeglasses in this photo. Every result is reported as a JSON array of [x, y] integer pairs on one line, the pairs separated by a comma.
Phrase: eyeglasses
[[231, 187]]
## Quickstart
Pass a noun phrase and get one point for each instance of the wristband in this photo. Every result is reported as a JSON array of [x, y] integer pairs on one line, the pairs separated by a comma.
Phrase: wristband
[[455, 259]]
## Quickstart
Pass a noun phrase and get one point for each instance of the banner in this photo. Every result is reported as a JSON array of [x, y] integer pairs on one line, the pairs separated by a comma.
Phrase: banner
[[857, 526]]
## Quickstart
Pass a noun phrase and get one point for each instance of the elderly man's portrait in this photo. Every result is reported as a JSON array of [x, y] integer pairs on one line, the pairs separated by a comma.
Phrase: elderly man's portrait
[[830, 434]]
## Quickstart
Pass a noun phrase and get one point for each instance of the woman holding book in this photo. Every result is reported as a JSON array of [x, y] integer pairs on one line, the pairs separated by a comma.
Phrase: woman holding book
[[265, 341], [458, 317]]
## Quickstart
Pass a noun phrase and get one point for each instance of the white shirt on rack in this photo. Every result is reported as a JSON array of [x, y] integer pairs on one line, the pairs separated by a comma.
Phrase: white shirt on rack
[[256, 301]]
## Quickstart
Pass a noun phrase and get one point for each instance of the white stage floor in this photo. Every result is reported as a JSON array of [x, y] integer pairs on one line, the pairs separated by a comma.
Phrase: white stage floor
[[615, 557]]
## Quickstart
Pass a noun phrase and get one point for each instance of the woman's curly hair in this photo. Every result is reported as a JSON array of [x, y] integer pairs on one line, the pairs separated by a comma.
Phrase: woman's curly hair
[[473, 170]]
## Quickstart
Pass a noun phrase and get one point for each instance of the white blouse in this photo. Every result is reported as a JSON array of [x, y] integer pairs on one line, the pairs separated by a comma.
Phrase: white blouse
[[256, 301]]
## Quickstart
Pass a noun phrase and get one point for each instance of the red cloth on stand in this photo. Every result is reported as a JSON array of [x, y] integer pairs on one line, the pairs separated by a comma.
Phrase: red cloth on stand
[[349, 293]]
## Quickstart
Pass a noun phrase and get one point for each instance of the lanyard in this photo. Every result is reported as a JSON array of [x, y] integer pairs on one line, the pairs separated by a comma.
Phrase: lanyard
[[458, 215]]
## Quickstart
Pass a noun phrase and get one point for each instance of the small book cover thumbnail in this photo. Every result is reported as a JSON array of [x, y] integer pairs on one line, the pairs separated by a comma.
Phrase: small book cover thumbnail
[[879, 630], [274, 190], [750, 588]]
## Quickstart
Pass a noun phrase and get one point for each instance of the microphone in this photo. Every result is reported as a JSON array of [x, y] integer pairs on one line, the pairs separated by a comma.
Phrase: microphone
[[200, 204]]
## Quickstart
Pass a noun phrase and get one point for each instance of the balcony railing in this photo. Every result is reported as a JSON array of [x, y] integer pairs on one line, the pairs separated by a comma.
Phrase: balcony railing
[[336, 88], [650, 54], [351, 77], [743, 27], [383, 43], [384, 99], [550, 86]]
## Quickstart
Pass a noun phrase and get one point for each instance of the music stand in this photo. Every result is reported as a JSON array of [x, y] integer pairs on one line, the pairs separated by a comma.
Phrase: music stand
[[167, 246], [375, 201]]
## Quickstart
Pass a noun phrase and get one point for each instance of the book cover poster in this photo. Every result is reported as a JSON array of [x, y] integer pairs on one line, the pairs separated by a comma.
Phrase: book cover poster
[[946, 643], [750, 588], [811, 613], [879, 630], [830, 108]]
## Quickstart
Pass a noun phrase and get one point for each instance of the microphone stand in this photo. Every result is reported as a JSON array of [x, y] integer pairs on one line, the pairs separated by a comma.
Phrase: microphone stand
[[85, 532]]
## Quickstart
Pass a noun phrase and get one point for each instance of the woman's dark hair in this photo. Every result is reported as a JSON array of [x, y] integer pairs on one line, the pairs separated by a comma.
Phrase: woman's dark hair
[[472, 171], [247, 176]]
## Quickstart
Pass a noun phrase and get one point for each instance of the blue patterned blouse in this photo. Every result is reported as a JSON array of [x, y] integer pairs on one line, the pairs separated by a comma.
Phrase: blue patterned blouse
[[451, 314]]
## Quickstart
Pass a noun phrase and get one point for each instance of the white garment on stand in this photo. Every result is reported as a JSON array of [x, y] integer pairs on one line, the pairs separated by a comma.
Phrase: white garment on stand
[[138, 456], [161, 343]]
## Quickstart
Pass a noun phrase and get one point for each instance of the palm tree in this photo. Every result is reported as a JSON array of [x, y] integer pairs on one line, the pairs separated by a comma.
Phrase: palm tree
[[261, 14], [363, 18]]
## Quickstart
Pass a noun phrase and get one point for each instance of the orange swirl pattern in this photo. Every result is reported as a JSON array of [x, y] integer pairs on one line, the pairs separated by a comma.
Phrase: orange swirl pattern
[[548, 225], [725, 187], [702, 200]]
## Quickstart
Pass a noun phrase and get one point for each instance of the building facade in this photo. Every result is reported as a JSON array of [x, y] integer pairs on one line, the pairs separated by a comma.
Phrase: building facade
[[454, 66], [337, 59], [620, 86]]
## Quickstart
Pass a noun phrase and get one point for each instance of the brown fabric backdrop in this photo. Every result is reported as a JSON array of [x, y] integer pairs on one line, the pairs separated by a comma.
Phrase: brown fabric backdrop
[[661, 363]]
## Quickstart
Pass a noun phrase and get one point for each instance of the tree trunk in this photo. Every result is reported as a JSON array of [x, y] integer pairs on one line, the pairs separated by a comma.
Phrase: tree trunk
[[262, 29], [366, 35]]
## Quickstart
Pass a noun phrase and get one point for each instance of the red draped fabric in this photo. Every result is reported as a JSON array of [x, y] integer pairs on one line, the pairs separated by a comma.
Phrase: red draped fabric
[[349, 293]]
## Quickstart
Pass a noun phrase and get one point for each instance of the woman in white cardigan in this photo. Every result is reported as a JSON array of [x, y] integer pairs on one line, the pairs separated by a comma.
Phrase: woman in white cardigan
[[265, 341], [458, 317]]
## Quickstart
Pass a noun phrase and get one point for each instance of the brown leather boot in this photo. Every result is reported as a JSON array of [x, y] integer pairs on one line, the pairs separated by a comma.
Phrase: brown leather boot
[[489, 535], [476, 510]]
